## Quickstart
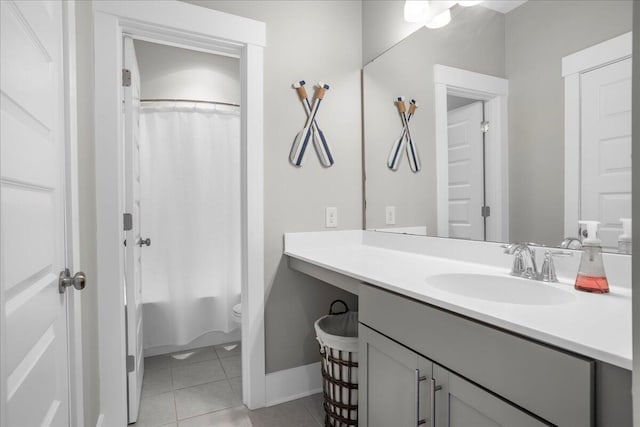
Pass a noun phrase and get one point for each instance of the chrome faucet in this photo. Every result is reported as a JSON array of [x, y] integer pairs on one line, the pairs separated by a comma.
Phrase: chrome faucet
[[524, 263]]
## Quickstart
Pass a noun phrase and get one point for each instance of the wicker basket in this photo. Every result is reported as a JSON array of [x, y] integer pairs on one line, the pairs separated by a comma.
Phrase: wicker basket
[[337, 334]]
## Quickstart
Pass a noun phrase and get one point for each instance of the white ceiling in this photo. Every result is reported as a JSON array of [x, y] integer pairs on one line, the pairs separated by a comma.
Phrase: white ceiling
[[503, 6]]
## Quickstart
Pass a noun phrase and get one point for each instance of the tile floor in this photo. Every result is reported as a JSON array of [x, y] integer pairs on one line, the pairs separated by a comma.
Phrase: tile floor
[[203, 387]]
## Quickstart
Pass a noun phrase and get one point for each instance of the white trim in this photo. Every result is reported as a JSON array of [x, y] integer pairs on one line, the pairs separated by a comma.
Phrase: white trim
[[207, 25], [495, 91], [599, 55], [100, 420], [290, 384], [72, 216], [189, 26], [253, 288], [470, 81]]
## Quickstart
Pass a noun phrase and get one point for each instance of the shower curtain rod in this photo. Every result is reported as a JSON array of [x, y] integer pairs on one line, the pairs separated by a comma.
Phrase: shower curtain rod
[[190, 100]]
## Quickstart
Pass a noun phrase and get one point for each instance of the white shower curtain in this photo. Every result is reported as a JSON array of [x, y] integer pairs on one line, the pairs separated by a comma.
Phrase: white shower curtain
[[190, 209]]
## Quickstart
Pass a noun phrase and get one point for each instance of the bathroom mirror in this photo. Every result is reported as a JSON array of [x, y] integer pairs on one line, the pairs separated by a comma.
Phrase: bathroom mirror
[[523, 124]]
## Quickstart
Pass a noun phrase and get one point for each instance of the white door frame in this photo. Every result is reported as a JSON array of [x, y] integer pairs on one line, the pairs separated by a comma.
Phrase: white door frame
[[493, 90], [182, 25], [596, 56], [72, 216]]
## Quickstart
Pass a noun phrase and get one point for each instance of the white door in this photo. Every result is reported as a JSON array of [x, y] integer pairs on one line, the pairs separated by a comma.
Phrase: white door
[[466, 182], [606, 148], [33, 331], [133, 250]]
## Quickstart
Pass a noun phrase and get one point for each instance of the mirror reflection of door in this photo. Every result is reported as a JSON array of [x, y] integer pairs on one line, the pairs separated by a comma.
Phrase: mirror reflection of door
[[605, 95], [466, 168]]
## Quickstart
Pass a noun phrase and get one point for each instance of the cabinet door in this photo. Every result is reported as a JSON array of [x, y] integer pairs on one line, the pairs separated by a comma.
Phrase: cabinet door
[[460, 403], [393, 383]]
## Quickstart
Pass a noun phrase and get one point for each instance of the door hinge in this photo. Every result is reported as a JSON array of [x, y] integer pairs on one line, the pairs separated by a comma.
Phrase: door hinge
[[484, 126], [485, 211], [126, 77], [127, 221], [131, 363]]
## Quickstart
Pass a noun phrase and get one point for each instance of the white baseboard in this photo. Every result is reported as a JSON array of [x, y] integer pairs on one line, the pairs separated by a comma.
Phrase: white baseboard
[[294, 383], [100, 420]]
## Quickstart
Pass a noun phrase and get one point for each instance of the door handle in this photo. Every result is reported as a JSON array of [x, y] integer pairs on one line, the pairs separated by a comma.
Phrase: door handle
[[144, 242], [432, 391], [78, 281], [419, 379]]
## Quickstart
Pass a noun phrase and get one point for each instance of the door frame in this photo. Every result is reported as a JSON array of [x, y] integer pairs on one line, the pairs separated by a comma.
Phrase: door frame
[[182, 25], [72, 216], [494, 91], [573, 66]]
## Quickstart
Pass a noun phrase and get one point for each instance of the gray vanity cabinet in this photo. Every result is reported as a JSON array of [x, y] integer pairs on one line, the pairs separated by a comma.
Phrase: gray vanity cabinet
[[460, 403], [393, 389], [484, 376], [396, 390]]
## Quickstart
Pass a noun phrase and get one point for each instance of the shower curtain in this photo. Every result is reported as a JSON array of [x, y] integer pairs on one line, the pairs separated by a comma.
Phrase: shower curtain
[[190, 209]]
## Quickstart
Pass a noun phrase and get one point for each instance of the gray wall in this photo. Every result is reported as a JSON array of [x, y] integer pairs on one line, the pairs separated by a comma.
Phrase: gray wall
[[538, 34], [474, 40], [383, 26], [171, 72], [454, 102], [636, 216]]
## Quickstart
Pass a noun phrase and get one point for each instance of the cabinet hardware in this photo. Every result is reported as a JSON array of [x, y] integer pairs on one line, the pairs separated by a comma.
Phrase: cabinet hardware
[[432, 391], [419, 379]]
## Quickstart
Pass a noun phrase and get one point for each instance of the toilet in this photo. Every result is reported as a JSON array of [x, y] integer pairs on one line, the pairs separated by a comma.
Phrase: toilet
[[237, 314]]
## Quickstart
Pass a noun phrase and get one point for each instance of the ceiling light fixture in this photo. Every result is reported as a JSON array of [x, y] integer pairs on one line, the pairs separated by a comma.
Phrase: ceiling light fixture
[[435, 14], [439, 20], [415, 11]]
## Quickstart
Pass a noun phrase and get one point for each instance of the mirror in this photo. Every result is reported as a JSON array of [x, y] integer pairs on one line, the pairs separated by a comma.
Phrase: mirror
[[522, 125]]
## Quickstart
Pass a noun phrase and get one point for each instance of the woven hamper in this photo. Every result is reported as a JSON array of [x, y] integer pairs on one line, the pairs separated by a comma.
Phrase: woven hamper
[[337, 334]]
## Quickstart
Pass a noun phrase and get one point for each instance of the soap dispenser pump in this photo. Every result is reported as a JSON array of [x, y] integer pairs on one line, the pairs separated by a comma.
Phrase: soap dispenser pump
[[624, 240], [591, 275]]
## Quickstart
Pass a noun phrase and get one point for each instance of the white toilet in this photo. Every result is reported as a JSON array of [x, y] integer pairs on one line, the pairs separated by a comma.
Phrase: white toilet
[[237, 314]]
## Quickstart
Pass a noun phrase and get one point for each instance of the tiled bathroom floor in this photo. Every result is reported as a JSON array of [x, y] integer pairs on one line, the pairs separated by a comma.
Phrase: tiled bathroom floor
[[203, 387]]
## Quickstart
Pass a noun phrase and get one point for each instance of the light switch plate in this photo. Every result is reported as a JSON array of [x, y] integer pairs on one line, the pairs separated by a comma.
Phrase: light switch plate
[[390, 215], [331, 217]]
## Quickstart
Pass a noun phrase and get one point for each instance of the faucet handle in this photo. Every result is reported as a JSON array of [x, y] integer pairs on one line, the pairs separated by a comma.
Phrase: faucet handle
[[548, 272], [512, 248], [571, 243], [509, 248]]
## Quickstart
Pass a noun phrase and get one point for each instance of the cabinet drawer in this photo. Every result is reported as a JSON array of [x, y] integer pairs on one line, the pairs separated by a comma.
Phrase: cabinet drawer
[[553, 384]]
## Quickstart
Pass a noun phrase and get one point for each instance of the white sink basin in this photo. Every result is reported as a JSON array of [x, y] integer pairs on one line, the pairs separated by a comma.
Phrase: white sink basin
[[506, 289]]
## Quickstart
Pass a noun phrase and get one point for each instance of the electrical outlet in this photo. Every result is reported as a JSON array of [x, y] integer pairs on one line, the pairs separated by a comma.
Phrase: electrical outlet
[[331, 217], [390, 215]]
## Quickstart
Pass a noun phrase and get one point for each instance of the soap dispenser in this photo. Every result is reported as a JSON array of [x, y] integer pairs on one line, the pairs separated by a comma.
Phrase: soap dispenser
[[624, 240], [591, 276]]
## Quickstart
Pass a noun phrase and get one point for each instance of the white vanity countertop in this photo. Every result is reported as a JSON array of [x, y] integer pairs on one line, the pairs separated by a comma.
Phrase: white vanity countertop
[[597, 326]]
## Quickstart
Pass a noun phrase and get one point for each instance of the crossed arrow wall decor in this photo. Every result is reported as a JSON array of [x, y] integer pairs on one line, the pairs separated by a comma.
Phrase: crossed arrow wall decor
[[311, 130], [405, 141]]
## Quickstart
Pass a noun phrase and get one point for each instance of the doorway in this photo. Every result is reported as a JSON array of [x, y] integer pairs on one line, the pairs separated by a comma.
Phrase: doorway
[[207, 31], [467, 179], [182, 195], [490, 211]]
